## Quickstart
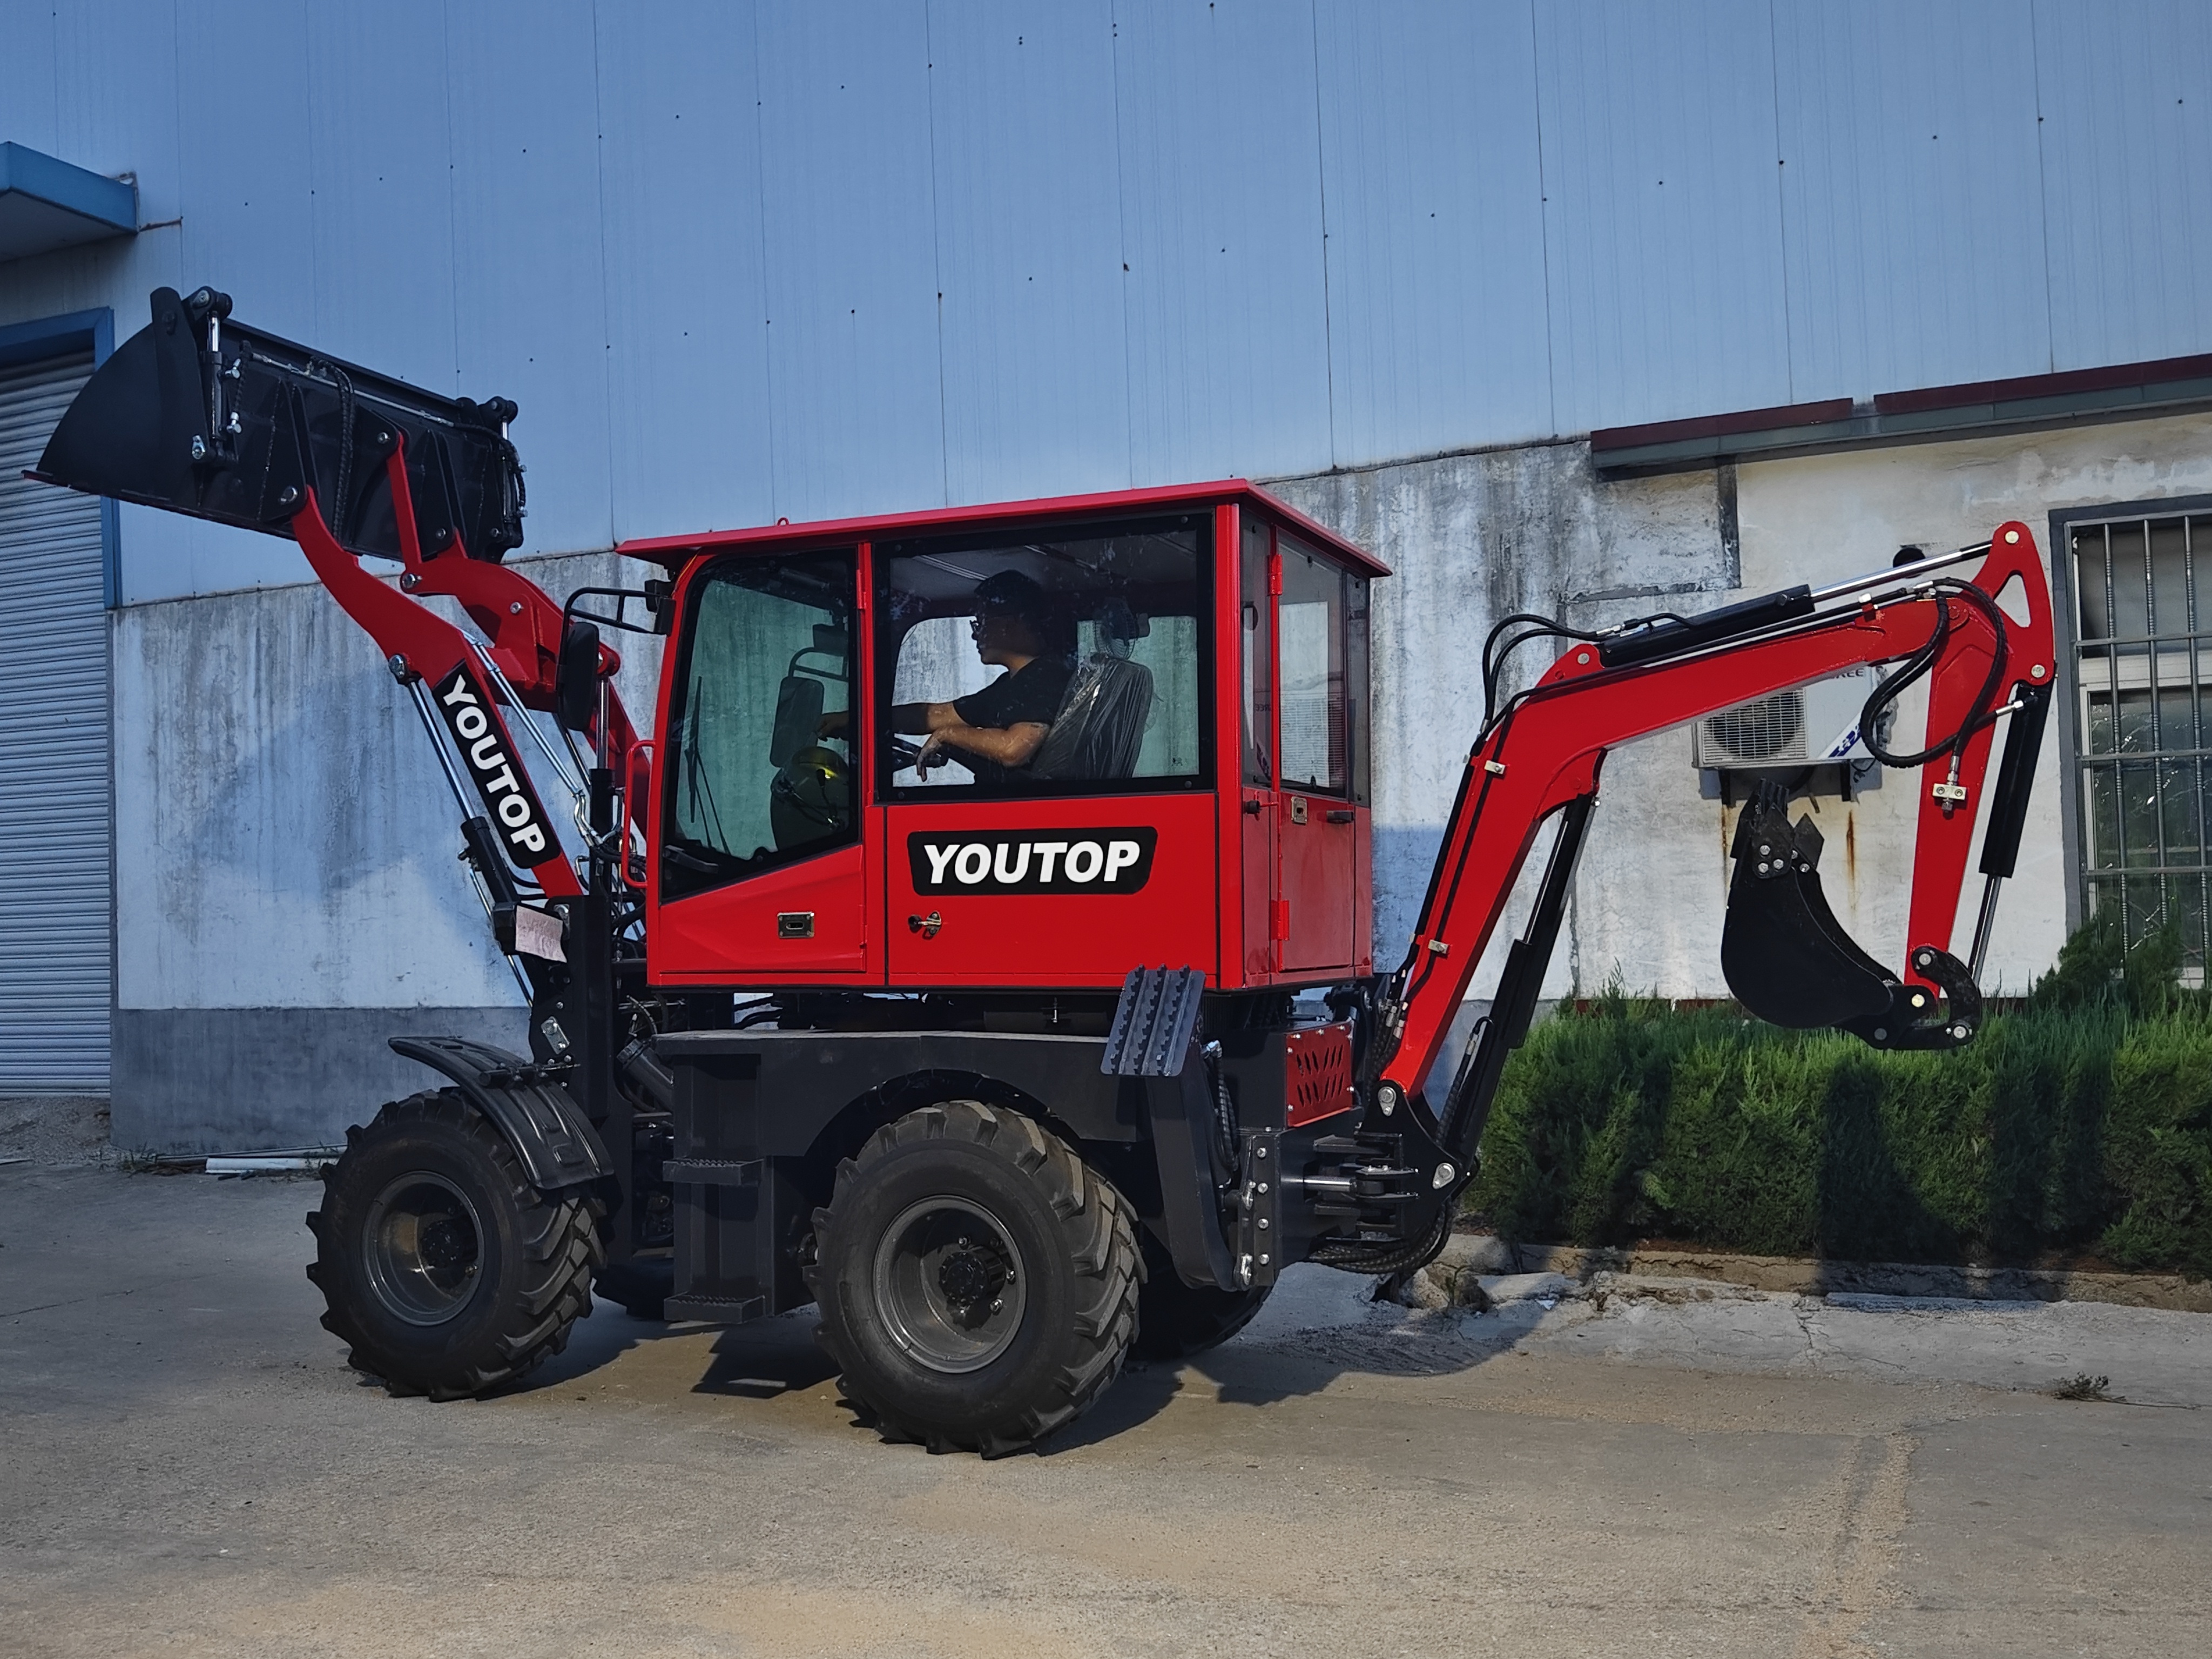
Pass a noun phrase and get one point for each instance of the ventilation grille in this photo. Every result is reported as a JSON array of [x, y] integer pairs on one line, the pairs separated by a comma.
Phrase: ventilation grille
[[1318, 1073], [1760, 733]]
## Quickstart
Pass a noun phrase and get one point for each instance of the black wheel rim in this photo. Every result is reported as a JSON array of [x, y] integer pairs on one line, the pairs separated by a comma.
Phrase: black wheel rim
[[949, 1284], [424, 1244]]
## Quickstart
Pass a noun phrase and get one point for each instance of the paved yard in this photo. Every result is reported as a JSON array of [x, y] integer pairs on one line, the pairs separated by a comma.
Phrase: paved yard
[[186, 1466]]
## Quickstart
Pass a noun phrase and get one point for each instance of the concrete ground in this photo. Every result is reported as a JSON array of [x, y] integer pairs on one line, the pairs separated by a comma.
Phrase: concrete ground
[[187, 1466]]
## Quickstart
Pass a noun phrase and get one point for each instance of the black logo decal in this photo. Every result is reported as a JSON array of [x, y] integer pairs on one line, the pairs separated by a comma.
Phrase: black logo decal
[[517, 817], [1032, 860]]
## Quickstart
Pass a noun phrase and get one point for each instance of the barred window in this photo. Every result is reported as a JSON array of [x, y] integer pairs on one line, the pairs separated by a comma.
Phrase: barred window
[[2142, 626]]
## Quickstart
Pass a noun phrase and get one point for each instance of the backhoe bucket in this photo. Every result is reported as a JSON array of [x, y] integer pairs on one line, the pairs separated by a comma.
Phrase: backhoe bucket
[[1790, 962], [1784, 954], [199, 415]]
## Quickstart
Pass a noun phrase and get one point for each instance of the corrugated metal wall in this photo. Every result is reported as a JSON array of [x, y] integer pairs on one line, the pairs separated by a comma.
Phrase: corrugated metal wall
[[740, 261], [54, 824]]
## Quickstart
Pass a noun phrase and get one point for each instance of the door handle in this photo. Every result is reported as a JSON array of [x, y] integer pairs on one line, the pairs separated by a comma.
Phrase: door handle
[[1340, 815], [926, 926]]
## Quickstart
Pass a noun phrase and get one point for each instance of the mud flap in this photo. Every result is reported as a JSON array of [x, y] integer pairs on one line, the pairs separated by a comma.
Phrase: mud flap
[[1789, 962]]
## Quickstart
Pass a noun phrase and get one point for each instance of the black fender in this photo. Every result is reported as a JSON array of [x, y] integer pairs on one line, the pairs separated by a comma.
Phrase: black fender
[[556, 1143], [1180, 1110]]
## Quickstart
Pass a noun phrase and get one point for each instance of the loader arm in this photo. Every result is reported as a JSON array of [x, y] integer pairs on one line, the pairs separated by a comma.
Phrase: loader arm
[[1539, 758], [201, 414]]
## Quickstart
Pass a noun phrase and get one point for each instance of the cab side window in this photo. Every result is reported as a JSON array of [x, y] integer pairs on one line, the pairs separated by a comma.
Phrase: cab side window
[[1073, 663], [758, 771], [1311, 652]]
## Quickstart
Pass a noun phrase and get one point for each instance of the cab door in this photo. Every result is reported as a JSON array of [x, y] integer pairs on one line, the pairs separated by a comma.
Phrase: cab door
[[760, 876], [1317, 812]]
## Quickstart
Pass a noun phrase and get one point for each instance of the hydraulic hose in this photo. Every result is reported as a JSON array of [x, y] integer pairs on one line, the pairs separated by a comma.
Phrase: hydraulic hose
[[1921, 662]]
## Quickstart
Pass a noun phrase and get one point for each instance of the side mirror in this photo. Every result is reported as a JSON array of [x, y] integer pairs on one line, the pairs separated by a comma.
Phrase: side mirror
[[661, 604], [797, 718], [576, 680]]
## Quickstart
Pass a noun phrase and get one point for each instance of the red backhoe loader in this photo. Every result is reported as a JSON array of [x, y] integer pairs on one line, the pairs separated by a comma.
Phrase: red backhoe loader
[[1017, 1021]]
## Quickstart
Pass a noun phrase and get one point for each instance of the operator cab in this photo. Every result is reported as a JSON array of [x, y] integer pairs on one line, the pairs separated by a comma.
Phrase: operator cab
[[1028, 747]]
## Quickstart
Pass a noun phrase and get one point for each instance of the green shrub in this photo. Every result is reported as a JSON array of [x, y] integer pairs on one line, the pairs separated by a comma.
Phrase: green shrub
[[2158, 1146], [2082, 1120]]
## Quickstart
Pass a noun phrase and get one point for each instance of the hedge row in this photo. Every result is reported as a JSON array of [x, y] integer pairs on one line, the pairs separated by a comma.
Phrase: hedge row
[[2082, 1123]]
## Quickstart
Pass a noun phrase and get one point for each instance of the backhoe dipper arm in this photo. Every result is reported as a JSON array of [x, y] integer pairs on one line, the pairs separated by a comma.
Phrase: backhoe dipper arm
[[1542, 755]]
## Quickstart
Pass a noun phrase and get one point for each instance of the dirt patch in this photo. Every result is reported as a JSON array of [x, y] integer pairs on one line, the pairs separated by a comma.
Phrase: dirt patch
[[55, 1129]]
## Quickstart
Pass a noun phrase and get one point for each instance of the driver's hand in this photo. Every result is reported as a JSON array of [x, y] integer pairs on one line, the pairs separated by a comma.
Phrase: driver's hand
[[932, 753], [833, 723]]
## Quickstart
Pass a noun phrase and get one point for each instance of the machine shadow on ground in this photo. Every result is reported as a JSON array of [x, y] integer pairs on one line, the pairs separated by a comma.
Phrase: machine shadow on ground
[[1284, 1358]]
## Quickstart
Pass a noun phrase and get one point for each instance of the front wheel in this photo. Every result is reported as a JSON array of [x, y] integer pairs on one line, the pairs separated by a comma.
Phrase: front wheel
[[977, 1281], [447, 1273]]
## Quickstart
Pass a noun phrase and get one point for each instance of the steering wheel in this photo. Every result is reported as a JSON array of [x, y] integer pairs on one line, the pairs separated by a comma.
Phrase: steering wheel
[[907, 755]]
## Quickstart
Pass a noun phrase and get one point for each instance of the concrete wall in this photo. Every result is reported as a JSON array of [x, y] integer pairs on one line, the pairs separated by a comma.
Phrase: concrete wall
[[288, 890], [1474, 536]]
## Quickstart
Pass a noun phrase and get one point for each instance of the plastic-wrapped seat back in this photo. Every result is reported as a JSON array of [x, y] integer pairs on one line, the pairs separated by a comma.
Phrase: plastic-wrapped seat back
[[1101, 724]]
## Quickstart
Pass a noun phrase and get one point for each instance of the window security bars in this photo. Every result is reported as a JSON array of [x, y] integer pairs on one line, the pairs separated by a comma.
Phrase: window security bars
[[2143, 635]]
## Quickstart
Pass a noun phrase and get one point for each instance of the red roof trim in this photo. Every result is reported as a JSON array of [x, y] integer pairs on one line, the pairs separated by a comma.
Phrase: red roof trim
[[2113, 379], [1720, 426], [2117, 377], [678, 550]]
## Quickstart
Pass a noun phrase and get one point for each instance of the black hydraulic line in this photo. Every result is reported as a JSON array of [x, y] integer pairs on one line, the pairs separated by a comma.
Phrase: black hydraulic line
[[2008, 810], [1681, 634], [2015, 781], [1980, 713], [490, 863]]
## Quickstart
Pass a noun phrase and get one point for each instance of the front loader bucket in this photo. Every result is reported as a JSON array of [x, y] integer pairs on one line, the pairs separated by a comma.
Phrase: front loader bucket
[[200, 414]]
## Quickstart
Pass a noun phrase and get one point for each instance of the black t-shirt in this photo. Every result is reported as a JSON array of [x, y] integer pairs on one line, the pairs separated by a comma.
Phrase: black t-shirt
[[1031, 696]]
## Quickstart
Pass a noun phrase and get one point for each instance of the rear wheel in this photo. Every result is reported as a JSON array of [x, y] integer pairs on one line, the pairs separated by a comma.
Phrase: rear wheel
[[1176, 1320], [977, 1281], [447, 1273]]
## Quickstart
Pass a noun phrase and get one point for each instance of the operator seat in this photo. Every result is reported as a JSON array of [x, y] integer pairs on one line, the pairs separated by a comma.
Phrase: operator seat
[[1101, 723]]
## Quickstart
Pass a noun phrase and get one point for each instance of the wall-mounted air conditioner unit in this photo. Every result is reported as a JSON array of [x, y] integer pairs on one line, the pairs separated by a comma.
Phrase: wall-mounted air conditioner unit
[[1815, 725]]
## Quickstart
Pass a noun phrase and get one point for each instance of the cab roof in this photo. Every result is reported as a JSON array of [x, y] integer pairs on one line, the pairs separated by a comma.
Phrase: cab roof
[[675, 551]]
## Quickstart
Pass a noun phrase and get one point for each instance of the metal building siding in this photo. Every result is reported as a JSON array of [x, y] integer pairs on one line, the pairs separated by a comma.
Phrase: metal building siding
[[2126, 96], [1436, 229], [1912, 206], [1029, 229], [1663, 215], [854, 391], [529, 277], [687, 290], [381, 217], [54, 829], [114, 81], [247, 167], [1221, 224]]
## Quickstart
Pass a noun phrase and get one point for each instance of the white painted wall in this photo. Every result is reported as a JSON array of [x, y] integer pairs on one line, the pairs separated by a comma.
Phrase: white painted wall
[[1827, 518], [1474, 536]]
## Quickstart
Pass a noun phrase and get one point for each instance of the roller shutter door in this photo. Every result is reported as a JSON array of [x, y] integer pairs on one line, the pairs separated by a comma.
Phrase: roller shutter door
[[54, 733]]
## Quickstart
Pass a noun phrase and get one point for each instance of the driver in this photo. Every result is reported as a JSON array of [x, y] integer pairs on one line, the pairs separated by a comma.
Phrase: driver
[[996, 731]]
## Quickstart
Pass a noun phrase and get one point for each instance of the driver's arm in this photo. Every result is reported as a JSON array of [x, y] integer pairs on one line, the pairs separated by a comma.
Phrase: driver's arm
[[1016, 745], [905, 717], [924, 716]]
